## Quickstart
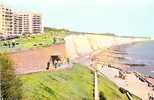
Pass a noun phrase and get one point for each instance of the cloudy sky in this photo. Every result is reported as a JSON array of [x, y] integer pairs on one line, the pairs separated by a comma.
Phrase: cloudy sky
[[123, 17]]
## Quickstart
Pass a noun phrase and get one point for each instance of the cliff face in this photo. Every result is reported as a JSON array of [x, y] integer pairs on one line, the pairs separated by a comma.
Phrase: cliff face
[[77, 45]]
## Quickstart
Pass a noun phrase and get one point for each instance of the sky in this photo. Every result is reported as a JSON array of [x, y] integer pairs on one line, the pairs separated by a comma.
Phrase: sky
[[123, 17]]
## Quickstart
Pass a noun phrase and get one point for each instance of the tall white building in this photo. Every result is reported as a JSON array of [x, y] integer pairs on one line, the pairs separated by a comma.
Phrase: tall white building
[[6, 20], [26, 22], [17, 28], [19, 22]]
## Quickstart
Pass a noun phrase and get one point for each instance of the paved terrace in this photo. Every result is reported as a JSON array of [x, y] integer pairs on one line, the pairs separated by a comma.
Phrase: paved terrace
[[35, 60]]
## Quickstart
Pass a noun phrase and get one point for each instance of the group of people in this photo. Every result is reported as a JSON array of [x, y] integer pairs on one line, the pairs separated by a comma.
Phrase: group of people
[[10, 44], [56, 62]]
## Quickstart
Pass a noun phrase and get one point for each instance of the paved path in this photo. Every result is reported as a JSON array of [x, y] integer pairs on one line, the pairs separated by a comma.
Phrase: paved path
[[96, 86], [24, 70]]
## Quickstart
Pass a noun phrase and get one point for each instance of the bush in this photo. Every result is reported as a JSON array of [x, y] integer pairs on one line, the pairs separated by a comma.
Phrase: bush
[[10, 89], [101, 96]]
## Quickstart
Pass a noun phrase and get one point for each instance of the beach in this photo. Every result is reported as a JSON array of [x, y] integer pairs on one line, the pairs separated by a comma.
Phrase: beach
[[130, 83], [108, 62]]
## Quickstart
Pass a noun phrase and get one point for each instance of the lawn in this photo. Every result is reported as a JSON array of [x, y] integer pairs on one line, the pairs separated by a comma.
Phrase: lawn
[[111, 91], [33, 41], [27, 42], [70, 84]]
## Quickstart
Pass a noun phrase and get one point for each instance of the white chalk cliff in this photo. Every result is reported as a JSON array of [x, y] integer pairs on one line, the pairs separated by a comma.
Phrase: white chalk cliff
[[77, 45]]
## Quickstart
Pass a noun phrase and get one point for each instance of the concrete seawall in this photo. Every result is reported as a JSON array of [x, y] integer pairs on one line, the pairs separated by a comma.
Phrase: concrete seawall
[[83, 44]]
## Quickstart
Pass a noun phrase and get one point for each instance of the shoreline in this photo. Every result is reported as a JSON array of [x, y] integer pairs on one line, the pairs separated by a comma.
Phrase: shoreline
[[120, 50], [107, 58]]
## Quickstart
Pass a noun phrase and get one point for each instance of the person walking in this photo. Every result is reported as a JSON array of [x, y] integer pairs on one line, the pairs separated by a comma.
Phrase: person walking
[[48, 65], [68, 60]]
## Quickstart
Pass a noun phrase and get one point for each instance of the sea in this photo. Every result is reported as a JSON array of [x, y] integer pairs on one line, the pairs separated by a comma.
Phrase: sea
[[141, 56]]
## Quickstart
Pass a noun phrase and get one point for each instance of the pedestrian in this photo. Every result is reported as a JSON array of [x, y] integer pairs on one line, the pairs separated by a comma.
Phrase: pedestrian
[[48, 65], [13, 44], [68, 60], [9, 44], [55, 63]]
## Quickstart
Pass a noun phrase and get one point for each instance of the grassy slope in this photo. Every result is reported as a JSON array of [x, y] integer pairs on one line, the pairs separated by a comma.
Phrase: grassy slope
[[111, 91], [71, 84]]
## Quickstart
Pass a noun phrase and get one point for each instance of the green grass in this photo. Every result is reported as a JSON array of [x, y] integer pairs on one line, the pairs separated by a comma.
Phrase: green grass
[[35, 41], [28, 42], [70, 84], [111, 91]]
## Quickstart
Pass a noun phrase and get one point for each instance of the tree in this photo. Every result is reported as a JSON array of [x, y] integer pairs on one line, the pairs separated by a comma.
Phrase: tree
[[10, 84]]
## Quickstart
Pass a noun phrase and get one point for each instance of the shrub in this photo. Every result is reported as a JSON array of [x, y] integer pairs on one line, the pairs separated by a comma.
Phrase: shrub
[[101, 96], [10, 89], [122, 90]]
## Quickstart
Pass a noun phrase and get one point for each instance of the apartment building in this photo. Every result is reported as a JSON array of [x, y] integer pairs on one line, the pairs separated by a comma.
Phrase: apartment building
[[19, 22], [36, 23], [26, 22], [6, 20]]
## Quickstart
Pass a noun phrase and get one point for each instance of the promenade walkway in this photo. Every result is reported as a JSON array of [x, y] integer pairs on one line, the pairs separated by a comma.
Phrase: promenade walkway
[[130, 83]]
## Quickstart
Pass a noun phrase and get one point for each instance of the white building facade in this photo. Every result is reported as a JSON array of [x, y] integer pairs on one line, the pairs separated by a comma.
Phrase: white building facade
[[19, 22], [6, 20]]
